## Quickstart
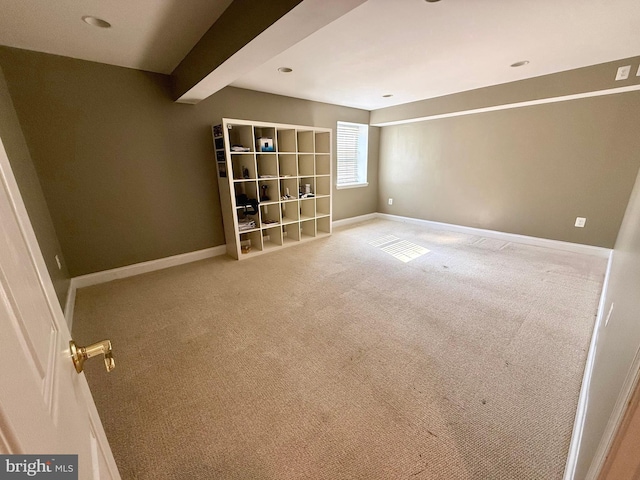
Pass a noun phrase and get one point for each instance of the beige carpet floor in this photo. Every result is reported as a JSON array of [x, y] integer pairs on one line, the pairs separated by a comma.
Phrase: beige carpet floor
[[336, 360]]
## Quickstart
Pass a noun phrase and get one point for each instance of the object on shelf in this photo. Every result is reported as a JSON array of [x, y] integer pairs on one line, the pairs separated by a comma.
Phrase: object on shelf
[[264, 195], [246, 224], [245, 172], [222, 170], [265, 144], [286, 196], [305, 191], [243, 201], [245, 246], [217, 130], [268, 176], [240, 148], [270, 222]]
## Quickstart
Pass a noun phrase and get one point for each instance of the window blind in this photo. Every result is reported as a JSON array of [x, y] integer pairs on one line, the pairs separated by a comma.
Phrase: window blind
[[347, 139]]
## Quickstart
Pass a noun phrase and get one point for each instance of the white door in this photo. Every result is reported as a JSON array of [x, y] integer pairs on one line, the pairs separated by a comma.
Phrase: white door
[[45, 406]]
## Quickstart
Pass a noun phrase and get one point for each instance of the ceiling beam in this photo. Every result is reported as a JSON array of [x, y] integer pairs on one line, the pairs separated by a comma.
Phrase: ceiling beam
[[240, 23], [247, 34]]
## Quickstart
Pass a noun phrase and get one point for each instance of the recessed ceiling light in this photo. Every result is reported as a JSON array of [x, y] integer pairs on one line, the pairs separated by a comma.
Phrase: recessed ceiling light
[[387, 95], [96, 22], [285, 70], [520, 64], [431, 1]]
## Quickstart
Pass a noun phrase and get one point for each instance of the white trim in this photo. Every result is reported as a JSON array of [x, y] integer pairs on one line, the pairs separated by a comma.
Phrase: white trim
[[508, 237], [145, 267], [529, 103], [70, 304], [583, 398], [615, 419], [344, 186], [352, 220]]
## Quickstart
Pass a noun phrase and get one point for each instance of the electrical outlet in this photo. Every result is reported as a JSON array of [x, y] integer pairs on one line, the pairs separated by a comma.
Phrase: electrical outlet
[[623, 72], [391, 201], [580, 222], [58, 262]]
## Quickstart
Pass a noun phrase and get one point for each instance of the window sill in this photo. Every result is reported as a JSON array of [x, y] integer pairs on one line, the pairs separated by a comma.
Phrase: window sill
[[351, 185]]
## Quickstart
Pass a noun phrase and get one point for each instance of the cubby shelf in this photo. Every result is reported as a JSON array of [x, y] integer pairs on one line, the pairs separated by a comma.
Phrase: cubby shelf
[[274, 182]]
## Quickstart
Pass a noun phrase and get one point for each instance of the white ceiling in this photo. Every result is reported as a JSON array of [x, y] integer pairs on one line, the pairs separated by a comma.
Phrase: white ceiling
[[152, 35], [416, 50], [409, 48]]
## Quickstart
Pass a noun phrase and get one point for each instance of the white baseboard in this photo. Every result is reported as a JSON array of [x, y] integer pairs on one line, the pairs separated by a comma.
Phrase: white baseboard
[[583, 398], [509, 237], [145, 267], [131, 270], [70, 304], [353, 220]]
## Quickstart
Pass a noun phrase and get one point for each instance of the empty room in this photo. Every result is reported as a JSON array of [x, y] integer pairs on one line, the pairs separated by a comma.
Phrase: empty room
[[355, 239]]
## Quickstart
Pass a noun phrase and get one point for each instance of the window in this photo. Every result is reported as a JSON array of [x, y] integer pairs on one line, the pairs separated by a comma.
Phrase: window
[[353, 140]]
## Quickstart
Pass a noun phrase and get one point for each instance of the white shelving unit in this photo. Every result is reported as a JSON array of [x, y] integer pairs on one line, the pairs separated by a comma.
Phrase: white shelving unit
[[275, 184]]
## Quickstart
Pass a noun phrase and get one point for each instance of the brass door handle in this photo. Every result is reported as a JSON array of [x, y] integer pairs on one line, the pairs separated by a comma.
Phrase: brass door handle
[[80, 354]]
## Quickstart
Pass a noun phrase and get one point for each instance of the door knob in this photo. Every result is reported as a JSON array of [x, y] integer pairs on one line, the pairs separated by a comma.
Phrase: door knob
[[80, 354]]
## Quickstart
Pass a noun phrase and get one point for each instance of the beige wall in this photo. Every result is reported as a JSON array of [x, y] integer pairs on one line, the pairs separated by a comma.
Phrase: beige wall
[[31, 192], [619, 340], [529, 170], [128, 174]]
